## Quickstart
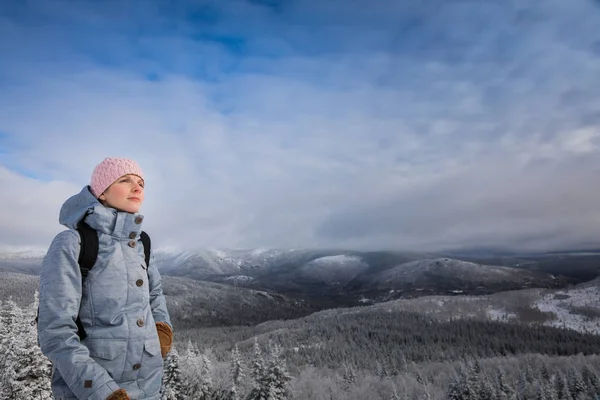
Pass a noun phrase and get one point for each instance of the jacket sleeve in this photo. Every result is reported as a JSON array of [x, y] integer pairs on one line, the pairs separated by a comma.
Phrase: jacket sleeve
[[60, 295], [158, 303]]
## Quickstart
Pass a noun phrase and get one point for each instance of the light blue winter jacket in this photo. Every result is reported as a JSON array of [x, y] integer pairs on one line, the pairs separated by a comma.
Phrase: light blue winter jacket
[[120, 303]]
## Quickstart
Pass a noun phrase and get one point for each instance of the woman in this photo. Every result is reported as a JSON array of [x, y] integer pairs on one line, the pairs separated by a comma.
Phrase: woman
[[119, 303]]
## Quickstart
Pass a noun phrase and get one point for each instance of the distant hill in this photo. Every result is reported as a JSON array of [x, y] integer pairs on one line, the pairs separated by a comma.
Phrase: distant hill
[[353, 277]]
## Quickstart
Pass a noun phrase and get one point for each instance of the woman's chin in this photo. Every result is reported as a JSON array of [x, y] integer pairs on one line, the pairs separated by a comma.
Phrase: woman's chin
[[129, 209]]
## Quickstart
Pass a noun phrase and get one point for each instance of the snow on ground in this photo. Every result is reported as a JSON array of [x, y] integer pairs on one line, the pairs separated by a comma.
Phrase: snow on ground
[[561, 304], [337, 269], [220, 254], [500, 315], [239, 279], [337, 259], [259, 251]]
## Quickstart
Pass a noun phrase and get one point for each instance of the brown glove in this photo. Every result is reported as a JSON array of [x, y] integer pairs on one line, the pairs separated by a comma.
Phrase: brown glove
[[165, 335], [120, 394]]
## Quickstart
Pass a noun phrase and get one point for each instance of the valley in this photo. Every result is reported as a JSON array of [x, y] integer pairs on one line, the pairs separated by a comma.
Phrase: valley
[[404, 323]]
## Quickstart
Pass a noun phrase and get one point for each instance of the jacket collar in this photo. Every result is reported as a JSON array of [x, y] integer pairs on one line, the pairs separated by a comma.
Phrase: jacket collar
[[119, 224]]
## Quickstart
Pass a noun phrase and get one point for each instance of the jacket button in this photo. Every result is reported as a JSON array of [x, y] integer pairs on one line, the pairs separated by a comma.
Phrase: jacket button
[[131, 243], [138, 220], [139, 282], [140, 322], [137, 366], [132, 235]]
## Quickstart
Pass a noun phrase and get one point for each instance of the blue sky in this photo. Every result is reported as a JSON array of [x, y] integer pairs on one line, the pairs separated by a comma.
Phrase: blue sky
[[417, 125]]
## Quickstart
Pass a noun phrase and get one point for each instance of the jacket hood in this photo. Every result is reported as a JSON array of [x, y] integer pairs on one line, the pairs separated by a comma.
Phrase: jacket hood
[[77, 207]]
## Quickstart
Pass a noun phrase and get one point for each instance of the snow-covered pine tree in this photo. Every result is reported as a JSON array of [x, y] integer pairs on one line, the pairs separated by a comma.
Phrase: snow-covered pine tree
[[171, 389], [206, 386], [474, 379], [544, 373], [550, 388], [278, 375], [503, 389], [590, 378], [539, 392], [458, 388], [348, 376], [562, 388], [260, 389], [237, 372], [26, 370], [487, 391], [190, 368], [576, 386], [270, 375], [8, 316]]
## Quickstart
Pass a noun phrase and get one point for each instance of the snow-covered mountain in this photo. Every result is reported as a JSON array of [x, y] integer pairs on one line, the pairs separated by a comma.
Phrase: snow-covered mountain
[[446, 275], [351, 276]]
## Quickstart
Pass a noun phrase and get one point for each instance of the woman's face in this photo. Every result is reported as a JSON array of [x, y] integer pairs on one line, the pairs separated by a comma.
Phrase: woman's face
[[125, 194]]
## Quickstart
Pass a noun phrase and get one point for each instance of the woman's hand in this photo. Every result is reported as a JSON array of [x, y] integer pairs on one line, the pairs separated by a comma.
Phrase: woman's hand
[[165, 336], [120, 394]]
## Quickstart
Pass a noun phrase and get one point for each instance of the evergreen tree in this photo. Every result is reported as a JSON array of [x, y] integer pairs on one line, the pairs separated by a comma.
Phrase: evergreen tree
[[544, 373], [237, 372], [191, 374], [278, 374], [521, 390], [576, 385], [270, 375], [380, 370], [562, 388], [459, 388], [474, 380], [486, 389], [540, 394], [9, 317], [503, 390], [206, 388], [348, 376], [260, 389], [171, 389], [590, 379], [26, 371], [550, 388]]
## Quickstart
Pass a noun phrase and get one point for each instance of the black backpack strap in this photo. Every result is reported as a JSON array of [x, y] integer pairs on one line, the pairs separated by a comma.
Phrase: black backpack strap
[[89, 248], [87, 258], [146, 242]]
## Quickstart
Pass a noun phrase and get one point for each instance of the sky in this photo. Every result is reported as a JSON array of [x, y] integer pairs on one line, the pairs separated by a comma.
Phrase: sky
[[421, 125]]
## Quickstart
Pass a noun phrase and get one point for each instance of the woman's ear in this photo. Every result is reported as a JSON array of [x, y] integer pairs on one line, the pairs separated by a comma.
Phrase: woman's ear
[[102, 197]]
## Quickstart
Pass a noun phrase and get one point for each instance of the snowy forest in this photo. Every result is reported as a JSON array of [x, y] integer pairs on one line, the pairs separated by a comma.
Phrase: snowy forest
[[393, 356]]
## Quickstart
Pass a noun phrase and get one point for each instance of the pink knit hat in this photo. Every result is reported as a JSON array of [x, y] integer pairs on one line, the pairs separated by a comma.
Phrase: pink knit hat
[[111, 169]]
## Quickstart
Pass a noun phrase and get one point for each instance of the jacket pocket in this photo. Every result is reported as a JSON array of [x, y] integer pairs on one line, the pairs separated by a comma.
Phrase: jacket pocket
[[150, 377], [110, 354], [153, 347]]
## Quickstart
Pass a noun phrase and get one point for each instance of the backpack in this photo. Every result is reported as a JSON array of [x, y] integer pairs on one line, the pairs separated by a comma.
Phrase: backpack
[[87, 258]]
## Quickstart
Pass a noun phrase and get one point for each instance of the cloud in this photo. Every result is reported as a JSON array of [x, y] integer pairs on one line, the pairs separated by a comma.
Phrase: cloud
[[310, 124]]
